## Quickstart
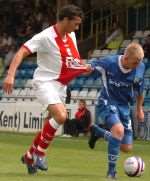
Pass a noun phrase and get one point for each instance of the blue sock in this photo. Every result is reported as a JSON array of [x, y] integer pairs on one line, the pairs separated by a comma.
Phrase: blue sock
[[113, 147], [113, 153], [100, 132]]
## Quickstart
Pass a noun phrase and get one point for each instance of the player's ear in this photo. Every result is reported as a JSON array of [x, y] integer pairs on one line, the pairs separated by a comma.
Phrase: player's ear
[[126, 58]]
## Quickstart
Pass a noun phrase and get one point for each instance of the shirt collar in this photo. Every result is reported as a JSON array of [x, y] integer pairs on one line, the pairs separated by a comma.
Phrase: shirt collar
[[125, 71]]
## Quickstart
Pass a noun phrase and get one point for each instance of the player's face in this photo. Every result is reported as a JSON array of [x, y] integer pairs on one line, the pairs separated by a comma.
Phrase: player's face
[[132, 62], [73, 24]]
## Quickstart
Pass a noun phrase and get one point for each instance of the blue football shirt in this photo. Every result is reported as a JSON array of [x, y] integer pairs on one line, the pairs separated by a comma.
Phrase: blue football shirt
[[119, 85]]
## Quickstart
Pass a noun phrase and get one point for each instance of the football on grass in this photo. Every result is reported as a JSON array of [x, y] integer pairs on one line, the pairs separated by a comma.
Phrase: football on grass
[[134, 166]]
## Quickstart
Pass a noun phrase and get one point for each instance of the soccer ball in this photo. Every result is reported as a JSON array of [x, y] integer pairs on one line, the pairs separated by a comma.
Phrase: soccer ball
[[134, 166]]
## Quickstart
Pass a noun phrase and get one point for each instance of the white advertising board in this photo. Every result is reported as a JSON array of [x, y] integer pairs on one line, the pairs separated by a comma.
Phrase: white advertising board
[[28, 116]]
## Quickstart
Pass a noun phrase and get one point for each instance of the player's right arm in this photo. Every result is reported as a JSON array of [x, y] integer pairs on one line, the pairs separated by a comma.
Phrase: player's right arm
[[16, 61], [99, 63]]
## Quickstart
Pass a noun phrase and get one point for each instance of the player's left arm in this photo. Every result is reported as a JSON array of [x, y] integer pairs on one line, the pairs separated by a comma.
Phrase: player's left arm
[[139, 89], [139, 111]]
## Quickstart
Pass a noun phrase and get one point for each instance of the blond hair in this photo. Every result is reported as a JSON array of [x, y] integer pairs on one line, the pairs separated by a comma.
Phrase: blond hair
[[134, 50]]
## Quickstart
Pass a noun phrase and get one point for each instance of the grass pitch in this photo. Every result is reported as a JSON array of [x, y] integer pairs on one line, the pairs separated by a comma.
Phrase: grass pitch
[[69, 159]]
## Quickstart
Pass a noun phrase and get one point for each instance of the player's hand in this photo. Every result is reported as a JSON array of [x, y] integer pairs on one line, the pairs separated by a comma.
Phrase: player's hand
[[89, 69], [139, 114], [8, 84]]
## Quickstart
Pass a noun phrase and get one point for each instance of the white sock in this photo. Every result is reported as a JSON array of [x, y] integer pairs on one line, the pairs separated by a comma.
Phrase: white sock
[[41, 149], [53, 123], [29, 155]]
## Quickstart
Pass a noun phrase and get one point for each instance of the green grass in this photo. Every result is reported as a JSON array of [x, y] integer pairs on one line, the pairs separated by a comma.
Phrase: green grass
[[68, 159]]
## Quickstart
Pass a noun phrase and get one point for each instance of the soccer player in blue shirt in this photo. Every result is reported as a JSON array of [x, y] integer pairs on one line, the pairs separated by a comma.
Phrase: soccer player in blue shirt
[[122, 77]]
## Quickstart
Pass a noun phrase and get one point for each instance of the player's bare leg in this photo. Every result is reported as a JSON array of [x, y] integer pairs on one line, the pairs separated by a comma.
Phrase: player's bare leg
[[36, 153]]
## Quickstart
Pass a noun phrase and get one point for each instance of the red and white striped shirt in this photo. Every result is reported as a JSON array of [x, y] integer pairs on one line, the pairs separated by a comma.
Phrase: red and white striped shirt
[[57, 59]]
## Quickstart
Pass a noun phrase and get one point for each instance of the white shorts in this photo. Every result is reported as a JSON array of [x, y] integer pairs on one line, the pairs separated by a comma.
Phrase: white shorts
[[49, 92]]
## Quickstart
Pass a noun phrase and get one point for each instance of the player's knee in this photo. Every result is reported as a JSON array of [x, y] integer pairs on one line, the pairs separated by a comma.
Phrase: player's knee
[[126, 148], [62, 116], [118, 131]]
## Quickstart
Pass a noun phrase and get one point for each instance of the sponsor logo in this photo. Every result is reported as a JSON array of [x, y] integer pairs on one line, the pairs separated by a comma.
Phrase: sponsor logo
[[21, 120], [118, 83]]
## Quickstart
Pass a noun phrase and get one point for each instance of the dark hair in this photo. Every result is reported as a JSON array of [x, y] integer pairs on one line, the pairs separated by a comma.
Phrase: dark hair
[[82, 101], [70, 11]]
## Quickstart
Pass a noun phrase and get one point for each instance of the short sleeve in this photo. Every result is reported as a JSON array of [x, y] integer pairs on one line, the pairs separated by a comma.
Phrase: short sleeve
[[139, 87], [139, 80], [35, 43], [99, 63]]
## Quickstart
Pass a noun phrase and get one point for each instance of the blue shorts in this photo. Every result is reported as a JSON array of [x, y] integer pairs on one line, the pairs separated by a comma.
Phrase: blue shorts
[[110, 114]]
